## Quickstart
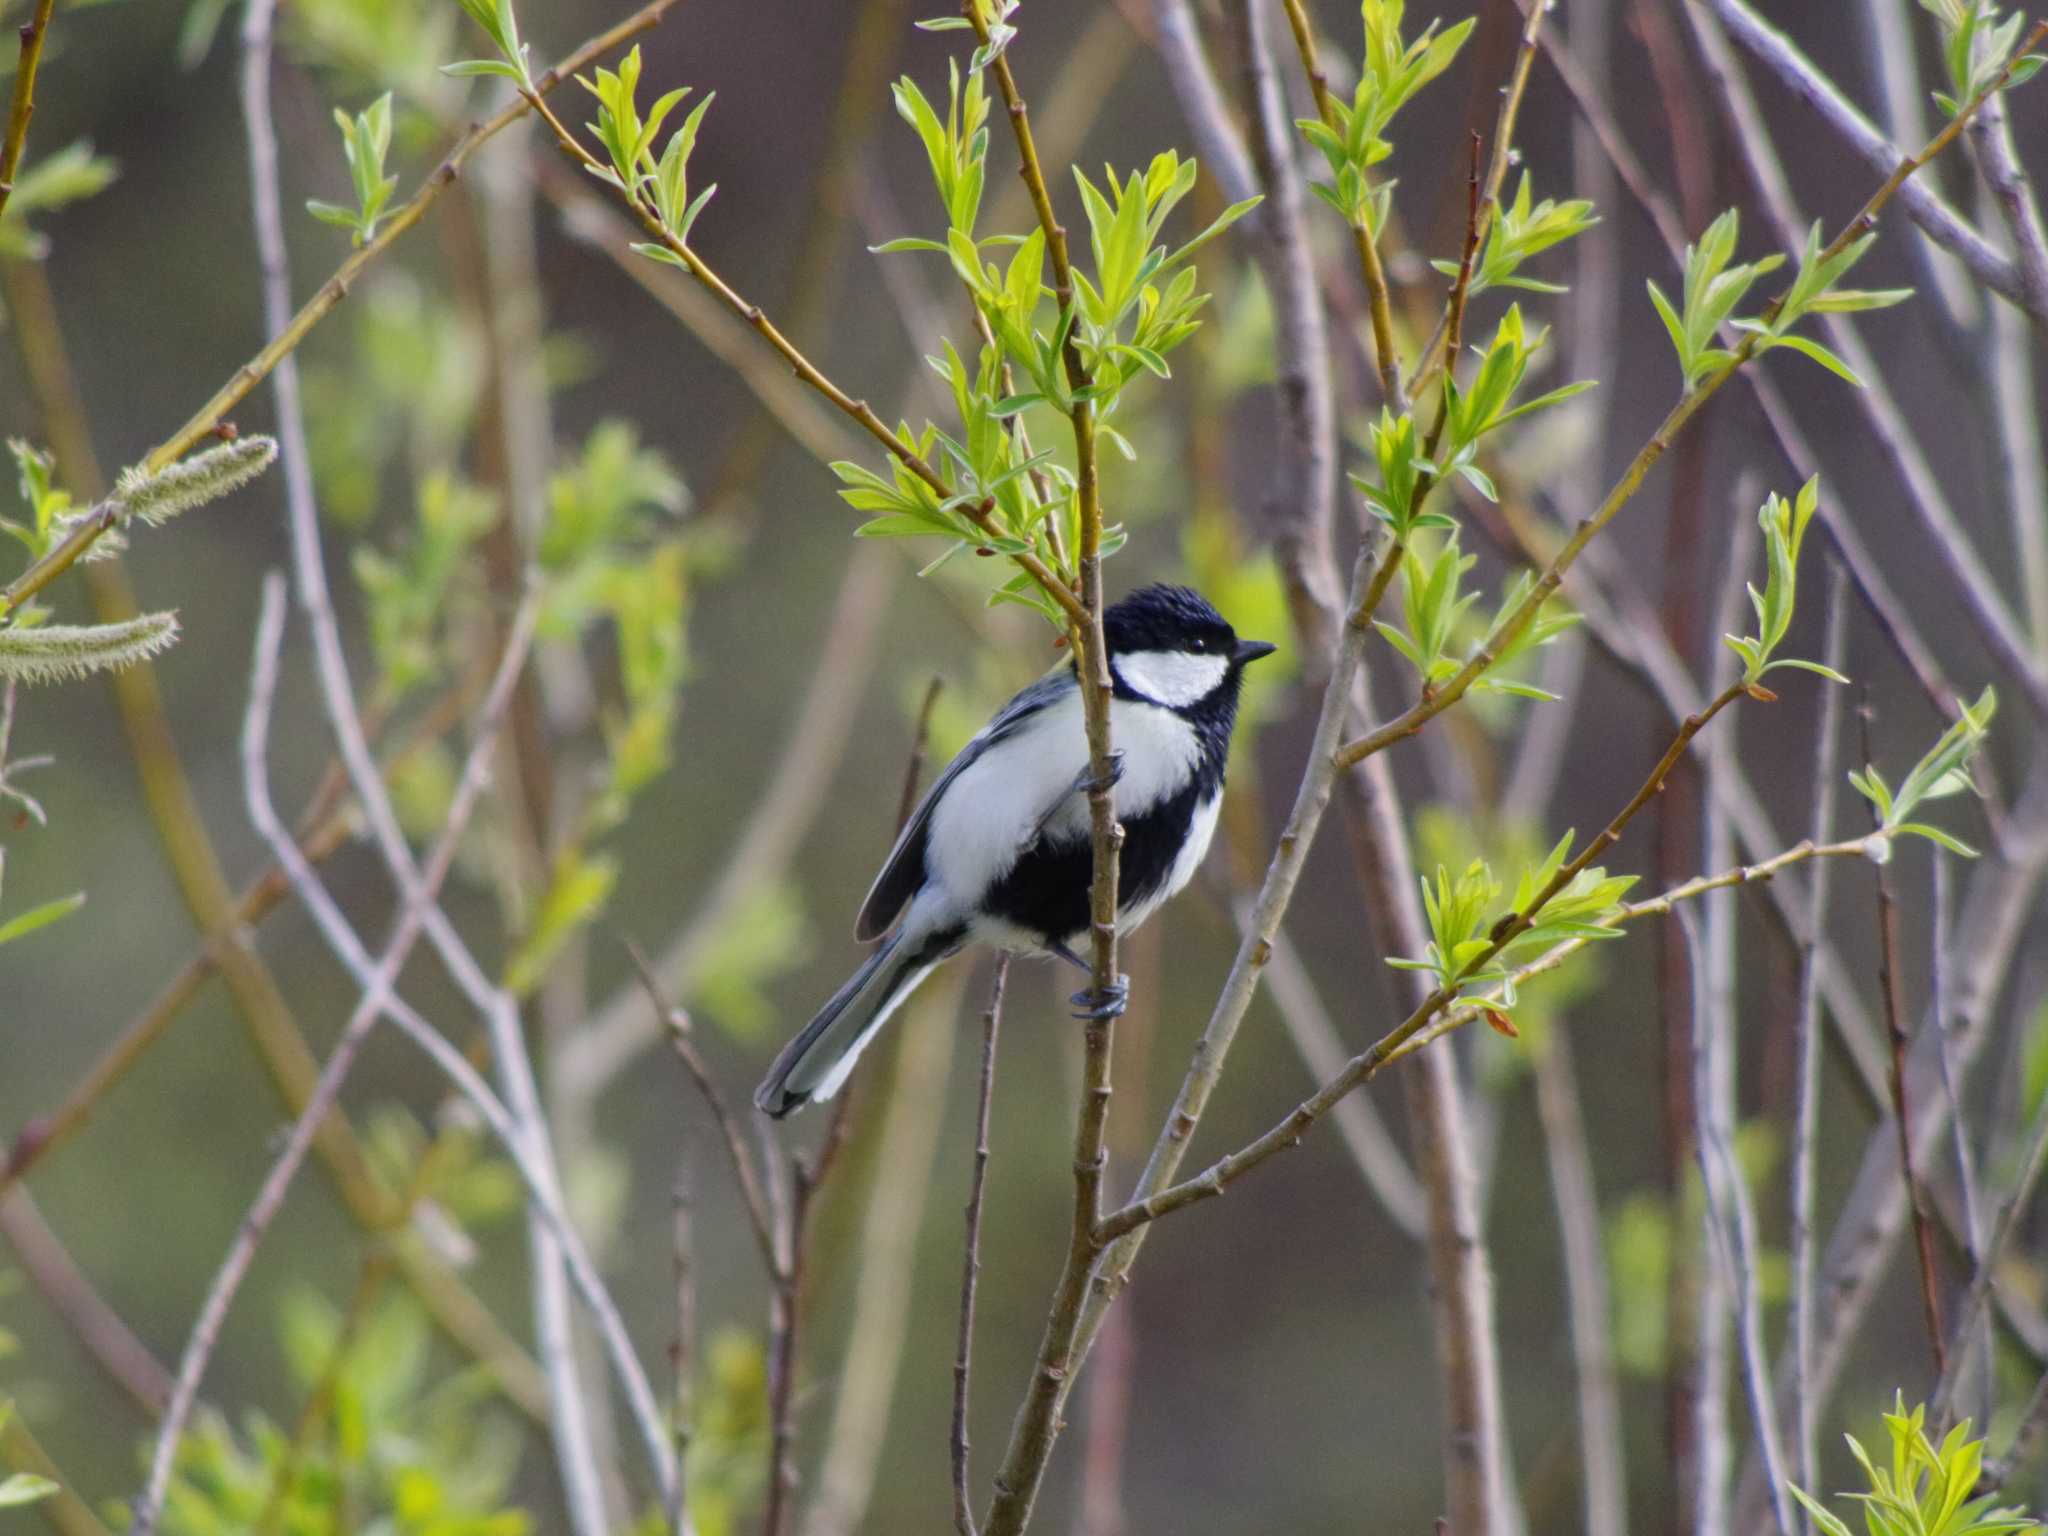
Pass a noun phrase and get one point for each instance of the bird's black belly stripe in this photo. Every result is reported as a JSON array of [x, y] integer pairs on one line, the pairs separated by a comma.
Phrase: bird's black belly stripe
[[1046, 891]]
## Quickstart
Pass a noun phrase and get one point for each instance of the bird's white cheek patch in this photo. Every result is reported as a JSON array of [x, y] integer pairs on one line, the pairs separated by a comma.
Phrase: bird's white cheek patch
[[1173, 678]]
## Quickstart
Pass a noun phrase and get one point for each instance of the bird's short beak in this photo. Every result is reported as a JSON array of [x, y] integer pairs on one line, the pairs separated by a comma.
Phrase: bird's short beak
[[1252, 650]]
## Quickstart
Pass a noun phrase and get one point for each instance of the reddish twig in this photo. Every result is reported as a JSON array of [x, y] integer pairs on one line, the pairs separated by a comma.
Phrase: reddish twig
[[991, 1022]]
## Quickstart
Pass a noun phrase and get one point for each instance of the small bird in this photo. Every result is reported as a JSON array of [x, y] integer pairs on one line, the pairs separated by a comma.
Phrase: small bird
[[1000, 852]]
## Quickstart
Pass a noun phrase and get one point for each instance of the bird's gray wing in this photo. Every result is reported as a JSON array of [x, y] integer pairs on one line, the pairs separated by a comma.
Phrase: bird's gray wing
[[903, 871]]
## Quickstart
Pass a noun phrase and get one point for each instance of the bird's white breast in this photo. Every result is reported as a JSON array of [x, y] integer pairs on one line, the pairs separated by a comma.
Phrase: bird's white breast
[[995, 805]]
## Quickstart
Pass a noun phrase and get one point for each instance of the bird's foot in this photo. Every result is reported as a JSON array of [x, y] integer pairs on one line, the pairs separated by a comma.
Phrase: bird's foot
[[1108, 1003], [1109, 780]]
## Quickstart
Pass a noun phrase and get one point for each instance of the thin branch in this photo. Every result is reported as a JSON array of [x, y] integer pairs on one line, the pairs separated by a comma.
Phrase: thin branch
[[34, 31], [892, 1219], [970, 1272], [1732, 1220], [529, 1157], [103, 1332], [1923, 205], [331, 293], [684, 1040], [1802, 1410], [1890, 987], [1147, 1207], [376, 997], [682, 1354], [1972, 583], [1385, 355], [1441, 351], [569, 1421]]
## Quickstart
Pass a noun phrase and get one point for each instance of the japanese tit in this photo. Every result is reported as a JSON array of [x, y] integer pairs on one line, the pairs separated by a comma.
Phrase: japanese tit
[[999, 852]]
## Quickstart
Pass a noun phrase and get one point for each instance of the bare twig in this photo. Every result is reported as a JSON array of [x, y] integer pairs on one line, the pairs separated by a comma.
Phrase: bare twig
[[913, 1109], [752, 1195], [970, 1272], [1890, 987], [23, 107], [682, 1354]]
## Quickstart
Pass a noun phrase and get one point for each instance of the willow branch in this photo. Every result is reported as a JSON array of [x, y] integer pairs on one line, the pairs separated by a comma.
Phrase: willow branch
[[287, 338], [1426, 709], [1923, 205], [23, 107], [970, 1271], [1385, 355]]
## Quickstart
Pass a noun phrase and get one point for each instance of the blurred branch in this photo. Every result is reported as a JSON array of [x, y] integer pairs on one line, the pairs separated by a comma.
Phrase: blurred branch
[[103, 1332], [287, 337], [1971, 581], [1801, 1408], [1732, 1221], [568, 1417], [898, 1187], [23, 106], [963, 1357], [64, 1511], [377, 996], [774, 829], [1923, 205]]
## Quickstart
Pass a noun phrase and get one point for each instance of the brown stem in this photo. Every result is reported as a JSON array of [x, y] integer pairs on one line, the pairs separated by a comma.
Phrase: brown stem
[[1385, 356], [33, 32], [963, 1357], [1891, 989]]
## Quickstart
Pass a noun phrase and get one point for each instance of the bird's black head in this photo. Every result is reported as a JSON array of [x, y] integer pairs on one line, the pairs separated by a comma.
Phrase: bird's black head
[[1169, 646]]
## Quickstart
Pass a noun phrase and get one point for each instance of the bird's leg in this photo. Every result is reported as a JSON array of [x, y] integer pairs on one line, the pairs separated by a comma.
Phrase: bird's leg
[[1088, 1003]]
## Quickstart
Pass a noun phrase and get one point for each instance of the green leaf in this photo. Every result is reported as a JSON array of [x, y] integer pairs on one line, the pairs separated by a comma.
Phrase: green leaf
[[25, 1488], [40, 917], [1819, 354], [464, 68], [1933, 834]]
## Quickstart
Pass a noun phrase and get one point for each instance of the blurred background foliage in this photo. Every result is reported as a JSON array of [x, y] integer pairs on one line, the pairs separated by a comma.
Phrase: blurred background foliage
[[701, 575]]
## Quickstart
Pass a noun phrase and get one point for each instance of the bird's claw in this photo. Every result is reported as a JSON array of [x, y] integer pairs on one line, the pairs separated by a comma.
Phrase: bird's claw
[[1108, 1003], [1109, 779]]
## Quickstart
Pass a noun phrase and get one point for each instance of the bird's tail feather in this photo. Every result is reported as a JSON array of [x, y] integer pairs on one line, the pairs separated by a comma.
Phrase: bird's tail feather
[[816, 1063]]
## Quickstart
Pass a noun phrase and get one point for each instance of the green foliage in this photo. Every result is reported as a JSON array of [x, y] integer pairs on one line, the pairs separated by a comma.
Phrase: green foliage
[[1926, 1489], [502, 27], [1813, 292], [415, 598], [1945, 770], [662, 184], [1462, 923], [956, 147], [389, 1448], [1520, 231], [48, 506], [765, 936], [454, 1170], [1784, 524], [65, 176], [23, 1488], [1712, 290], [1434, 606], [1393, 70], [23, 924], [365, 138], [578, 887], [1975, 48], [1484, 404]]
